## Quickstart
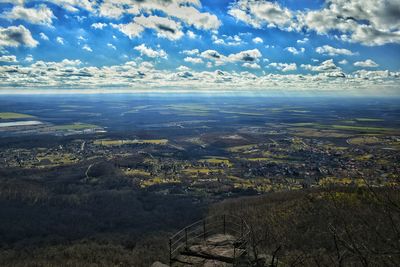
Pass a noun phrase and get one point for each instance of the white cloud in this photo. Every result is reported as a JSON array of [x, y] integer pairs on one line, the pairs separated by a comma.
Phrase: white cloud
[[332, 51], [283, 66], [29, 58], [87, 48], [111, 46], [8, 59], [343, 62], [147, 51], [228, 40], [60, 40], [98, 25], [73, 76], [376, 75], [185, 11], [249, 56], [40, 14], [191, 35], [193, 60], [75, 5], [165, 27], [260, 13], [294, 51], [325, 66], [16, 36], [257, 40], [366, 64], [191, 52], [251, 65], [212, 54], [44, 36], [303, 41], [183, 68], [365, 21], [246, 56], [131, 30], [369, 22]]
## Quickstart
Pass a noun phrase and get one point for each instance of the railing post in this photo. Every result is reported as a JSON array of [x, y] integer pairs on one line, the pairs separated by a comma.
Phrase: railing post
[[186, 241], [241, 228], [170, 252], [234, 255], [224, 225], [204, 229]]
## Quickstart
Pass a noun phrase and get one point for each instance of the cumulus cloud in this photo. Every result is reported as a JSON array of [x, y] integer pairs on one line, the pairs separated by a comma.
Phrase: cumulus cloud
[[111, 46], [41, 14], [75, 5], [260, 13], [332, 51], [303, 41], [325, 66], [191, 35], [258, 40], [193, 60], [227, 40], [164, 27], [249, 56], [186, 11], [87, 48], [369, 63], [131, 30], [148, 52], [295, 51], [60, 40], [8, 59], [43, 36], [211, 54], [16, 36], [190, 52], [73, 74], [251, 65], [283, 66], [98, 25], [29, 58], [365, 21], [70, 5], [368, 22], [183, 68]]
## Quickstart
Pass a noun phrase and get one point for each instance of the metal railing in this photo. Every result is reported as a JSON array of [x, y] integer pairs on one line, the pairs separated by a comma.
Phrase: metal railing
[[202, 229]]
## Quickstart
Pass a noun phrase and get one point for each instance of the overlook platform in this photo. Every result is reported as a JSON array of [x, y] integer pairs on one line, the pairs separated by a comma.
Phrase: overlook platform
[[213, 241]]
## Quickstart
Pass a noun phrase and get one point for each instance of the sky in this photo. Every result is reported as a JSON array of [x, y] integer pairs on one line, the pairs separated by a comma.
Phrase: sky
[[337, 46]]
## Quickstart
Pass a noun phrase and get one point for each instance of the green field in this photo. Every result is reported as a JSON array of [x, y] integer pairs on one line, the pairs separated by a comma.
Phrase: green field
[[362, 128], [12, 115], [75, 126], [216, 160], [368, 119]]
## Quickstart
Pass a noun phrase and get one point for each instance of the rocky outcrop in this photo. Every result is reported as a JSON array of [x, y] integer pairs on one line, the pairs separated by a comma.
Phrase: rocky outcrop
[[159, 264]]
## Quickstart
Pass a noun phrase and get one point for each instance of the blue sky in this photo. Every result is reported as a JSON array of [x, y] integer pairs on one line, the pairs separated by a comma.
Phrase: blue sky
[[209, 45]]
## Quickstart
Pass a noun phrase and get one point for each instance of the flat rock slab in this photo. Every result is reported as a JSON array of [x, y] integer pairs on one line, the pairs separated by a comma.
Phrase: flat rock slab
[[218, 247], [220, 240], [193, 261], [225, 253], [216, 251], [159, 264]]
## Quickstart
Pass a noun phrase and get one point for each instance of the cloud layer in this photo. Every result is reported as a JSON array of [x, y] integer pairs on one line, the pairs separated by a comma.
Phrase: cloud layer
[[245, 44]]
